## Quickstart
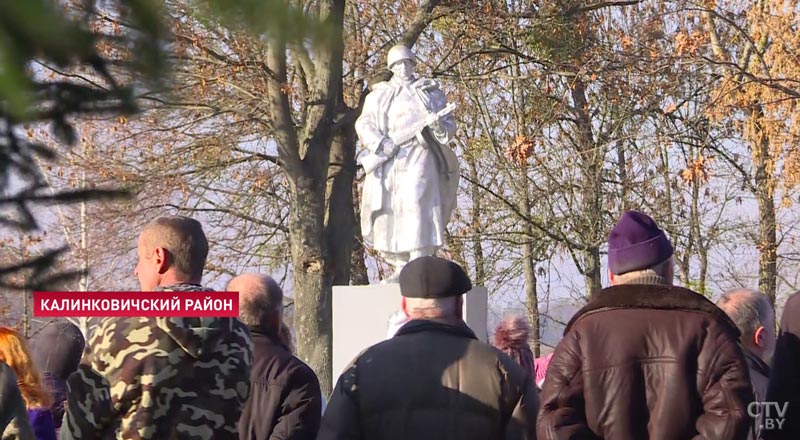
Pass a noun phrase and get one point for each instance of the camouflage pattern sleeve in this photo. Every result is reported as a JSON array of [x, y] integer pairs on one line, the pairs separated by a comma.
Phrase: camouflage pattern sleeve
[[89, 412]]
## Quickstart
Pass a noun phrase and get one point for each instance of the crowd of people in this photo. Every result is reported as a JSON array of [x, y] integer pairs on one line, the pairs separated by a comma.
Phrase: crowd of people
[[644, 359]]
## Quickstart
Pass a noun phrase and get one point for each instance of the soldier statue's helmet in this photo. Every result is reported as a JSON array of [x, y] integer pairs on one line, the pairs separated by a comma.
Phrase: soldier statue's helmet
[[399, 53]]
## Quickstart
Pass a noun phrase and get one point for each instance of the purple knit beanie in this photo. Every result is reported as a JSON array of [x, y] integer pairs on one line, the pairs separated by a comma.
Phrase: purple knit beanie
[[636, 243]]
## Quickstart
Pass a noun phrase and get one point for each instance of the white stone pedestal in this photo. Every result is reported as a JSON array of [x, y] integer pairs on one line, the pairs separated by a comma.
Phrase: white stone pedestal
[[361, 318]]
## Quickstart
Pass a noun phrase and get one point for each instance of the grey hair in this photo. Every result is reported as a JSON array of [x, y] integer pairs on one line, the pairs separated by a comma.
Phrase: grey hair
[[259, 298], [184, 238], [429, 308], [748, 309], [254, 310]]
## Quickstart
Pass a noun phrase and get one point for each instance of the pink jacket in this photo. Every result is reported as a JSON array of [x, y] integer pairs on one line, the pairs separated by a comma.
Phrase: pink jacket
[[540, 365]]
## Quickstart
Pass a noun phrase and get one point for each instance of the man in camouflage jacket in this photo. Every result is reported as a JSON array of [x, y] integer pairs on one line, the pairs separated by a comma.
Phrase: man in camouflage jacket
[[163, 378]]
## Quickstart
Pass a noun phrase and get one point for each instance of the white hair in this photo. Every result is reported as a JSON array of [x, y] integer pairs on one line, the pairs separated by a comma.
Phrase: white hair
[[748, 309], [429, 308]]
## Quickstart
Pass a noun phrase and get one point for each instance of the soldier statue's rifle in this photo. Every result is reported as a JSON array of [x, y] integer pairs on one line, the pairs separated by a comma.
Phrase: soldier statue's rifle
[[372, 161]]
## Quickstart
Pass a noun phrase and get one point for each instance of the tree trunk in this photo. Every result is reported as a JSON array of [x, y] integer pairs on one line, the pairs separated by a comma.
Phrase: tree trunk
[[591, 163], [313, 278], [26, 313], [703, 251], [477, 228], [306, 153], [358, 265], [529, 262], [531, 287], [764, 191], [622, 170], [83, 282], [692, 240], [340, 222]]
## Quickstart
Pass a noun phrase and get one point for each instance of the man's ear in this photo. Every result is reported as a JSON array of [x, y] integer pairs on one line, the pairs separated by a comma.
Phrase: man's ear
[[403, 306], [611, 278], [162, 259], [758, 336]]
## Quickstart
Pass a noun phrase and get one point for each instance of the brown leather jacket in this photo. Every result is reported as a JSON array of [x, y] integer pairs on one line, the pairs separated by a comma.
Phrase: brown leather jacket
[[432, 381], [647, 362]]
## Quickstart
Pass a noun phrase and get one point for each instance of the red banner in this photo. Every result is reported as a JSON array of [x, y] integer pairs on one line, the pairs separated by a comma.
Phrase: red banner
[[135, 304]]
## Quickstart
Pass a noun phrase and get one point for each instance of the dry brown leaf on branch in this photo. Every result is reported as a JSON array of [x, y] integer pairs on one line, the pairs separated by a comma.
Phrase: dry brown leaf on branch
[[627, 42], [698, 171], [286, 89], [520, 150]]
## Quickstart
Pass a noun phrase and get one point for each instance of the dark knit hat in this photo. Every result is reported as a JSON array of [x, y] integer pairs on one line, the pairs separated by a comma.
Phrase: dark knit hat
[[57, 349], [636, 243], [433, 277]]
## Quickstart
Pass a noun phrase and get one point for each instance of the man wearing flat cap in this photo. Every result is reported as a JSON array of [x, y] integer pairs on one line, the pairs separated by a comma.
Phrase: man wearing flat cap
[[434, 379], [646, 359]]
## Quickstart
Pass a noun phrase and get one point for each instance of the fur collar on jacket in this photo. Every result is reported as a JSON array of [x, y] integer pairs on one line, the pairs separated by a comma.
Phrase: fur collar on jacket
[[635, 296]]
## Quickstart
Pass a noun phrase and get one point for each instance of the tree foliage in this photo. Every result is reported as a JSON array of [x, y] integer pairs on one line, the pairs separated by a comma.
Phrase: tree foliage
[[569, 112], [36, 36]]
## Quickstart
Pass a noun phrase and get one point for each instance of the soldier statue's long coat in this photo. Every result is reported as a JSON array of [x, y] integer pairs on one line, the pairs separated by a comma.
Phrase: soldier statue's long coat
[[407, 201]]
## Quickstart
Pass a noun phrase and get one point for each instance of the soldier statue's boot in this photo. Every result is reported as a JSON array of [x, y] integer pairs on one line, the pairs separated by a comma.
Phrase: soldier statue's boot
[[394, 277], [423, 252], [398, 261]]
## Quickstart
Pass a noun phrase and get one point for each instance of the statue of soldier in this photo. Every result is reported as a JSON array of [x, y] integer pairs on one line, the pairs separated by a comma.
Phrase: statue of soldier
[[412, 174]]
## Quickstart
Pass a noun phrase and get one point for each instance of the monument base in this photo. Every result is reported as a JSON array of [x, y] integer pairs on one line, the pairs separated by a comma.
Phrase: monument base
[[361, 318]]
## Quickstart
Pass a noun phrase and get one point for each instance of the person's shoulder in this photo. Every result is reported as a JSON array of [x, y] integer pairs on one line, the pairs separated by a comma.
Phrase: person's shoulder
[[239, 330], [675, 299], [116, 332], [240, 337], [490, 352], [300, 371], [380, 87], [792, 303], [273, 355], [38, 415], [380, 347], [7, 374], [389, 348], [427, 84], [492, 357], [790, 316], [183, 287], [8, 381], [142, 340]]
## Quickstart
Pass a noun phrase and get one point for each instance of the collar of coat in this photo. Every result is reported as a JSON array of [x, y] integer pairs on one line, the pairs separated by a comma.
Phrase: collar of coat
[[755, 362], [435, 325], [635, 296], [271, 337], [183, 287]]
